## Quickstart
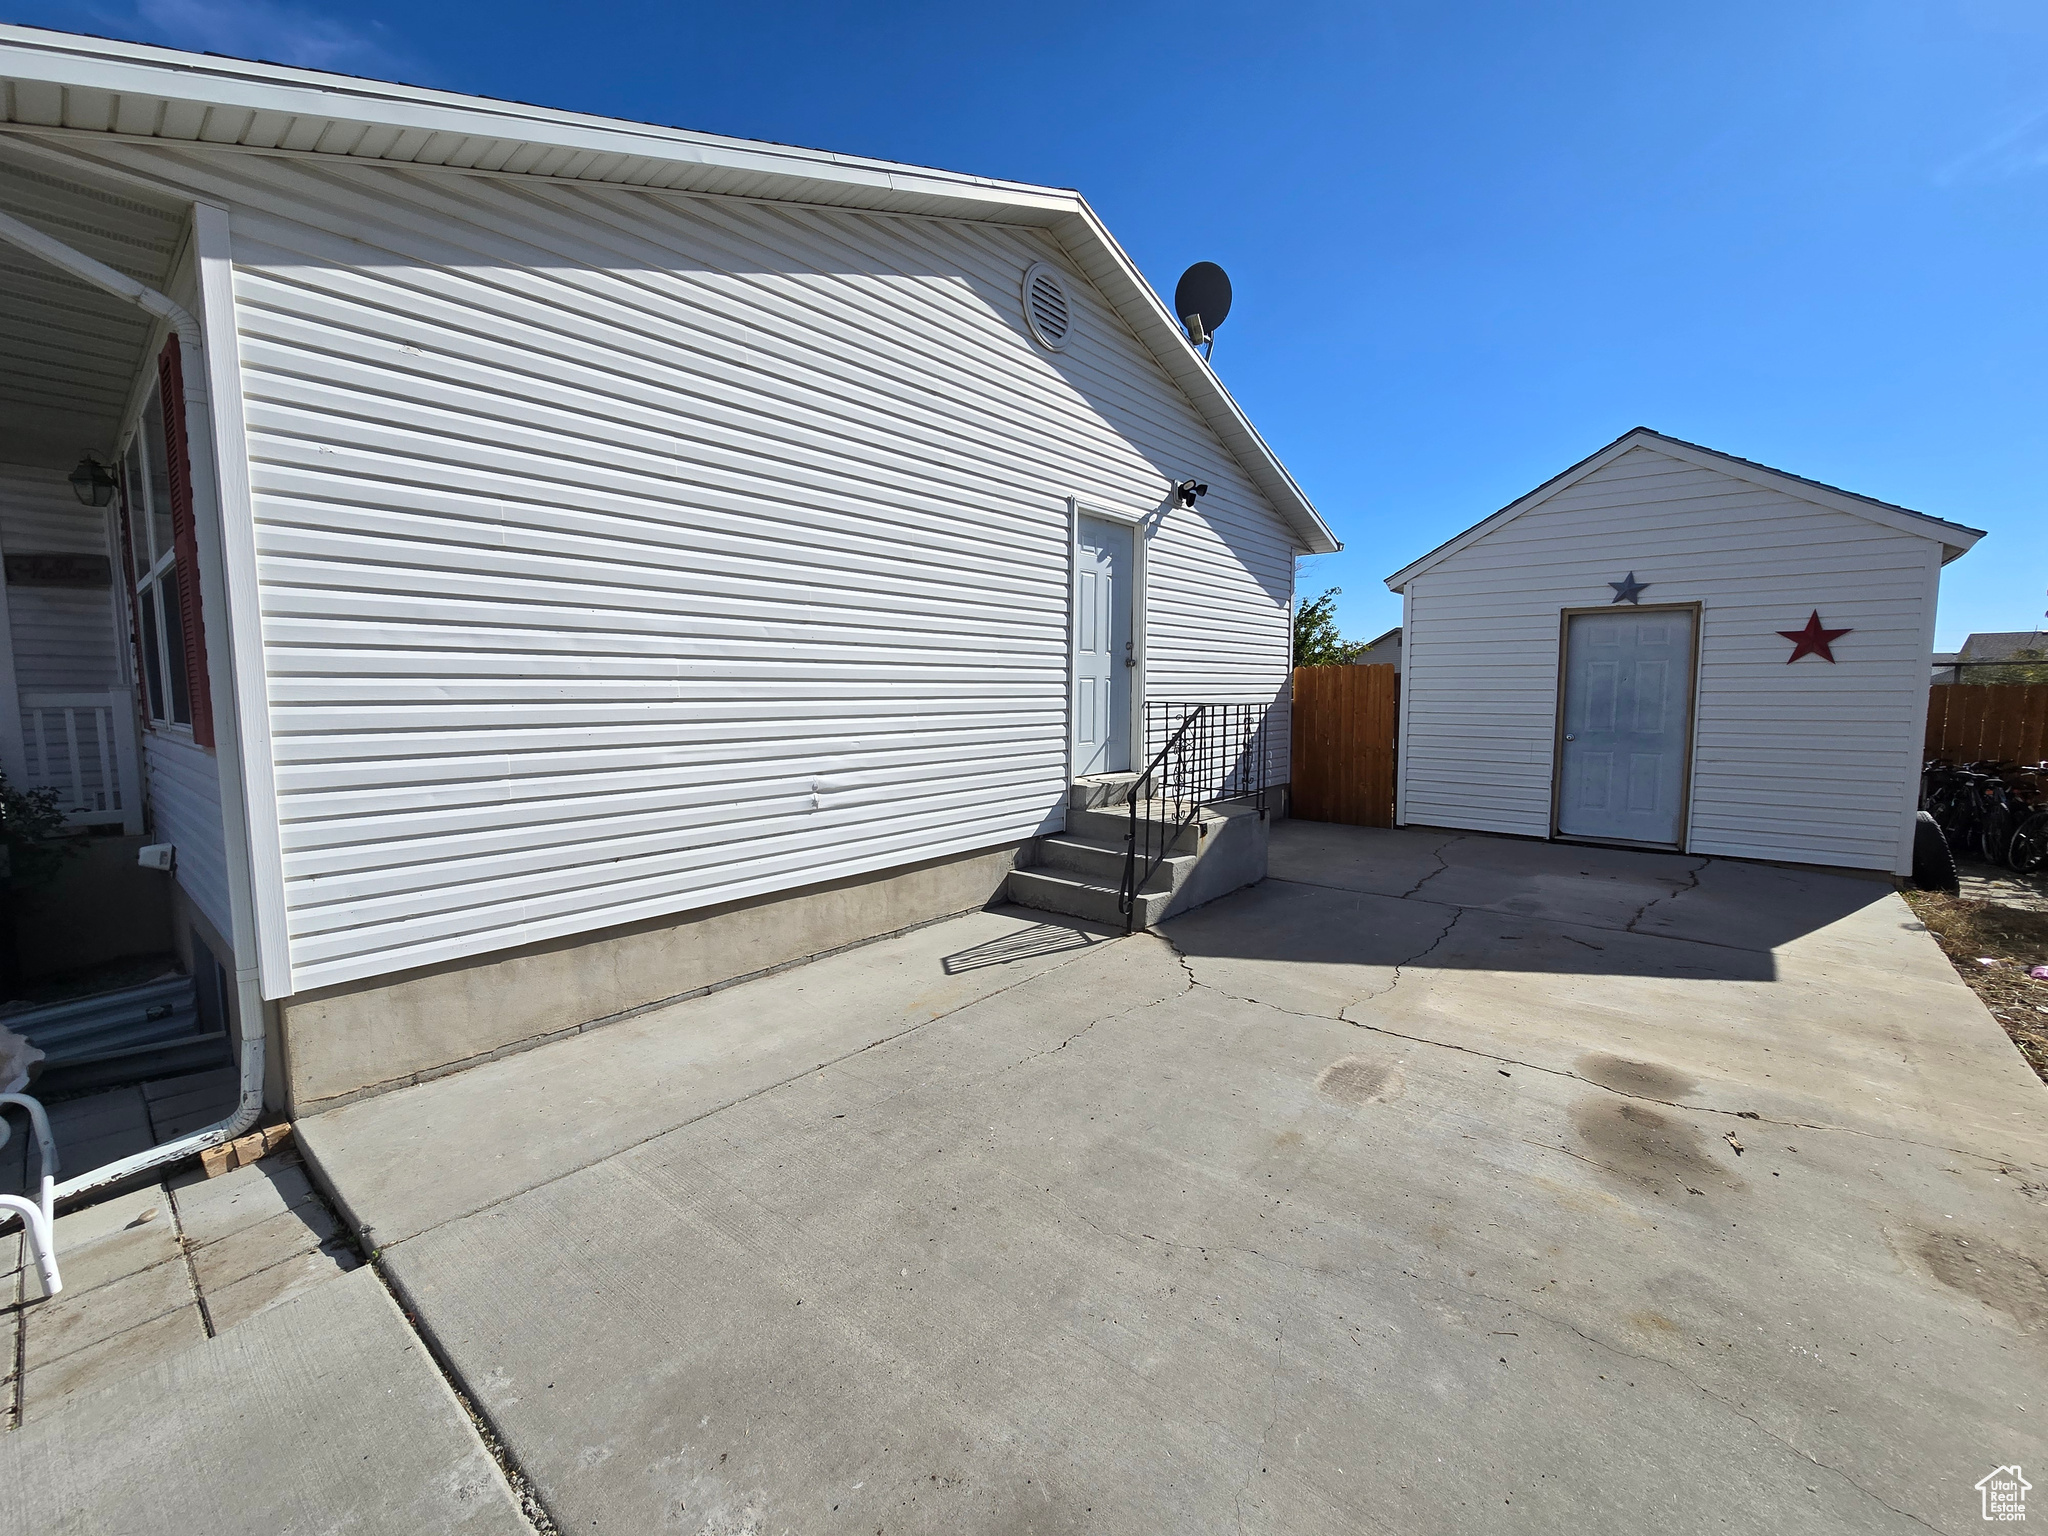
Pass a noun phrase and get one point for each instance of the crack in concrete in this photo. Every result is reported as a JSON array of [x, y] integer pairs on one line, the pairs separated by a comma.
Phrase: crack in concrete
[[1105, 1018], [1692, 884], [1457, 916], [1056, 1049], [1394, 980], [1505, 914], [1442, 864], [1272, 1420]]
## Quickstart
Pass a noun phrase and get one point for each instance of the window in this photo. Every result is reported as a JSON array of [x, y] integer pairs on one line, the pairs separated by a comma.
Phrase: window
[[162, 561]]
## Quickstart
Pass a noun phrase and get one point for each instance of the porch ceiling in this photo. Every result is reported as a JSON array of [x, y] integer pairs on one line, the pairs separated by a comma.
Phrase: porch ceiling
[[69, 353]]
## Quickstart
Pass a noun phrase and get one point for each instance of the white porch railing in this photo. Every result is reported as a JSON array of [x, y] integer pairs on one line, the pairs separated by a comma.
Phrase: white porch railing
[[83, 746]]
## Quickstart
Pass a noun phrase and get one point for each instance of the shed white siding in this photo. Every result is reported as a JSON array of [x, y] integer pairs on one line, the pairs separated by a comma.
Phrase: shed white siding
[[1810, 763], [624, 552]]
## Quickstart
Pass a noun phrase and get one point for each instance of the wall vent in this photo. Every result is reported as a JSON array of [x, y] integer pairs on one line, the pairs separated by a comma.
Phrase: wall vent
[[1046, 309]]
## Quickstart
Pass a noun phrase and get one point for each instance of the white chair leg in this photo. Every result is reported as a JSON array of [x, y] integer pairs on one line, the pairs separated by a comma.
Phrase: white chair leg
[[38, 1217], [41, 1238]]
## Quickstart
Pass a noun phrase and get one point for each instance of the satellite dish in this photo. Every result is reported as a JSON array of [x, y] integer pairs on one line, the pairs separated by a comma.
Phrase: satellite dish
[[1201, 300]]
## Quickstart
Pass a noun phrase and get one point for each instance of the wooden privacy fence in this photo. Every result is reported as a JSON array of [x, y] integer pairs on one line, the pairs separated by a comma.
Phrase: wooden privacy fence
[[1343, 744], [1986, 722]]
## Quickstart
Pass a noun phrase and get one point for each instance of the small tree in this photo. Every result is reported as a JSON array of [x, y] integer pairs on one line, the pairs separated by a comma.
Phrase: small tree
[[1316, 641], [2029, 664], [33, 845]]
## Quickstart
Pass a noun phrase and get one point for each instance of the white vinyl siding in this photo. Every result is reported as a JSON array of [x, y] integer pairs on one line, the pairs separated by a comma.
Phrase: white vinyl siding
[[626, 552], [1809, 763], [64, 638], [184, 808]]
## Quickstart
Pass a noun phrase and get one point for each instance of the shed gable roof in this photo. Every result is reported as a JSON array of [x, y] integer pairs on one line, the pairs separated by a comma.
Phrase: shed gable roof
[[59, 83], [1954, 538]]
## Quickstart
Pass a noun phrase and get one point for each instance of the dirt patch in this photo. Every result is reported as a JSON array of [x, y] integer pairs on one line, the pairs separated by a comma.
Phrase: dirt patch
[[1649, 1147], [1968, 931], [1642, 1078], [1356, 1081], [2002, 1278]]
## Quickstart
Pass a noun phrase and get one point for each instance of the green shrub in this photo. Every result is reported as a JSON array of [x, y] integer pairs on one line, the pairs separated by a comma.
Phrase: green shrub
[[33, 838]]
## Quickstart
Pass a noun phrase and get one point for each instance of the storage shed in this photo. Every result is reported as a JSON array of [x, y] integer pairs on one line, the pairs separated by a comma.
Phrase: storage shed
[[1670, 647]]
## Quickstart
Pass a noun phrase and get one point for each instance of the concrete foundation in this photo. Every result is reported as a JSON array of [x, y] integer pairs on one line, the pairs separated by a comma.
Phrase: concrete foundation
[[344, 1042], [1232, 854]]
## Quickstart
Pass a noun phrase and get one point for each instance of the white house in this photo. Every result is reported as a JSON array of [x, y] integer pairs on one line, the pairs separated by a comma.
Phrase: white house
[[1670, 647], [560, 563]]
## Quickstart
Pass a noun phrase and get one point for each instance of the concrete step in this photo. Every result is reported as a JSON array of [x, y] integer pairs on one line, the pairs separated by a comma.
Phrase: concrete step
[[1083, 896], [1109, 828], [1104, 861], [1100, 789]]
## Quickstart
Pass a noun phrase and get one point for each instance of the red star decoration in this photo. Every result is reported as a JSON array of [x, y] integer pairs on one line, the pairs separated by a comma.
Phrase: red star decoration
[[1813, 640]]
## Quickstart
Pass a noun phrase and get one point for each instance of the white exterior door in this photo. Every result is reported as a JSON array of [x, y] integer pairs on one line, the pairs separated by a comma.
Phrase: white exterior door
[[1627, 717], [1104, 647]]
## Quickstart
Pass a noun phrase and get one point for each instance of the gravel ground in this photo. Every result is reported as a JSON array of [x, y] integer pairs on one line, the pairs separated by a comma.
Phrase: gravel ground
[[2005, 923]]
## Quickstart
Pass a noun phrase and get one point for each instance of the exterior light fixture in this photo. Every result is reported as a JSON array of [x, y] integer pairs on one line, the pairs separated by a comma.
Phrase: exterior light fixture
[[93, 482], [1186, 492]]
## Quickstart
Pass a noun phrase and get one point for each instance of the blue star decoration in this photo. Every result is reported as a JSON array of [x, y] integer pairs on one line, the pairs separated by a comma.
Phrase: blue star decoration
[[1629, 591]]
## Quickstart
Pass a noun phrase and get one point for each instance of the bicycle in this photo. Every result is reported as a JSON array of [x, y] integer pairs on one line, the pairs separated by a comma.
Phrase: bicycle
[[1996, 810]]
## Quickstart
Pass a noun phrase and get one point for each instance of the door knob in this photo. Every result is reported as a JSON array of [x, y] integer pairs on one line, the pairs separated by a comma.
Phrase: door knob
[[1571, 738]]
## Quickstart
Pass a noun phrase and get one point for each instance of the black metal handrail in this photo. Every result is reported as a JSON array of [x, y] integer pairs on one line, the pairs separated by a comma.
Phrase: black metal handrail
[[1206, 754]]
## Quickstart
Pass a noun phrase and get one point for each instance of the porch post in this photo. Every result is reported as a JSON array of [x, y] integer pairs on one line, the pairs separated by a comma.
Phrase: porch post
[[13, 752]]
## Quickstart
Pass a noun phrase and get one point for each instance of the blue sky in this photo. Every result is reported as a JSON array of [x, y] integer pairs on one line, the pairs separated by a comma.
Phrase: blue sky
[[1471, 242]]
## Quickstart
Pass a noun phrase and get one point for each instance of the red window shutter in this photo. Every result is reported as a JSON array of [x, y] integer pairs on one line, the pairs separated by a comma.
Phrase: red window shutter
[[170, 379]]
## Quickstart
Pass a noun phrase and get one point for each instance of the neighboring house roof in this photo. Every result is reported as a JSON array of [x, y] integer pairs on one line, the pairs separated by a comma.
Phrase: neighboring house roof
[[1954, 537], [1393, 634], [59, 83], [2001, 647]]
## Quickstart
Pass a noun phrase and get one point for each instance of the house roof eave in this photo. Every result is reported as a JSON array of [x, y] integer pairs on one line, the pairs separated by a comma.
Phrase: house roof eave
[[73, 86]]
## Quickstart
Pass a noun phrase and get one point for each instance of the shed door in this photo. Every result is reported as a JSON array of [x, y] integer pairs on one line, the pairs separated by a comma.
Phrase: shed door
[[1103, 659], [1627, 719]]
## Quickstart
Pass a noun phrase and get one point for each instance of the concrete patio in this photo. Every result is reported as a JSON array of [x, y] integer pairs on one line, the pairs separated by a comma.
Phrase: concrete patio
[[1439, 1183]]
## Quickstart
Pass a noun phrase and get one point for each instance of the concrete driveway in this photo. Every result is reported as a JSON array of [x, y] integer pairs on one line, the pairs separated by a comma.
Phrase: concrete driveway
[[1437, 1184]]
